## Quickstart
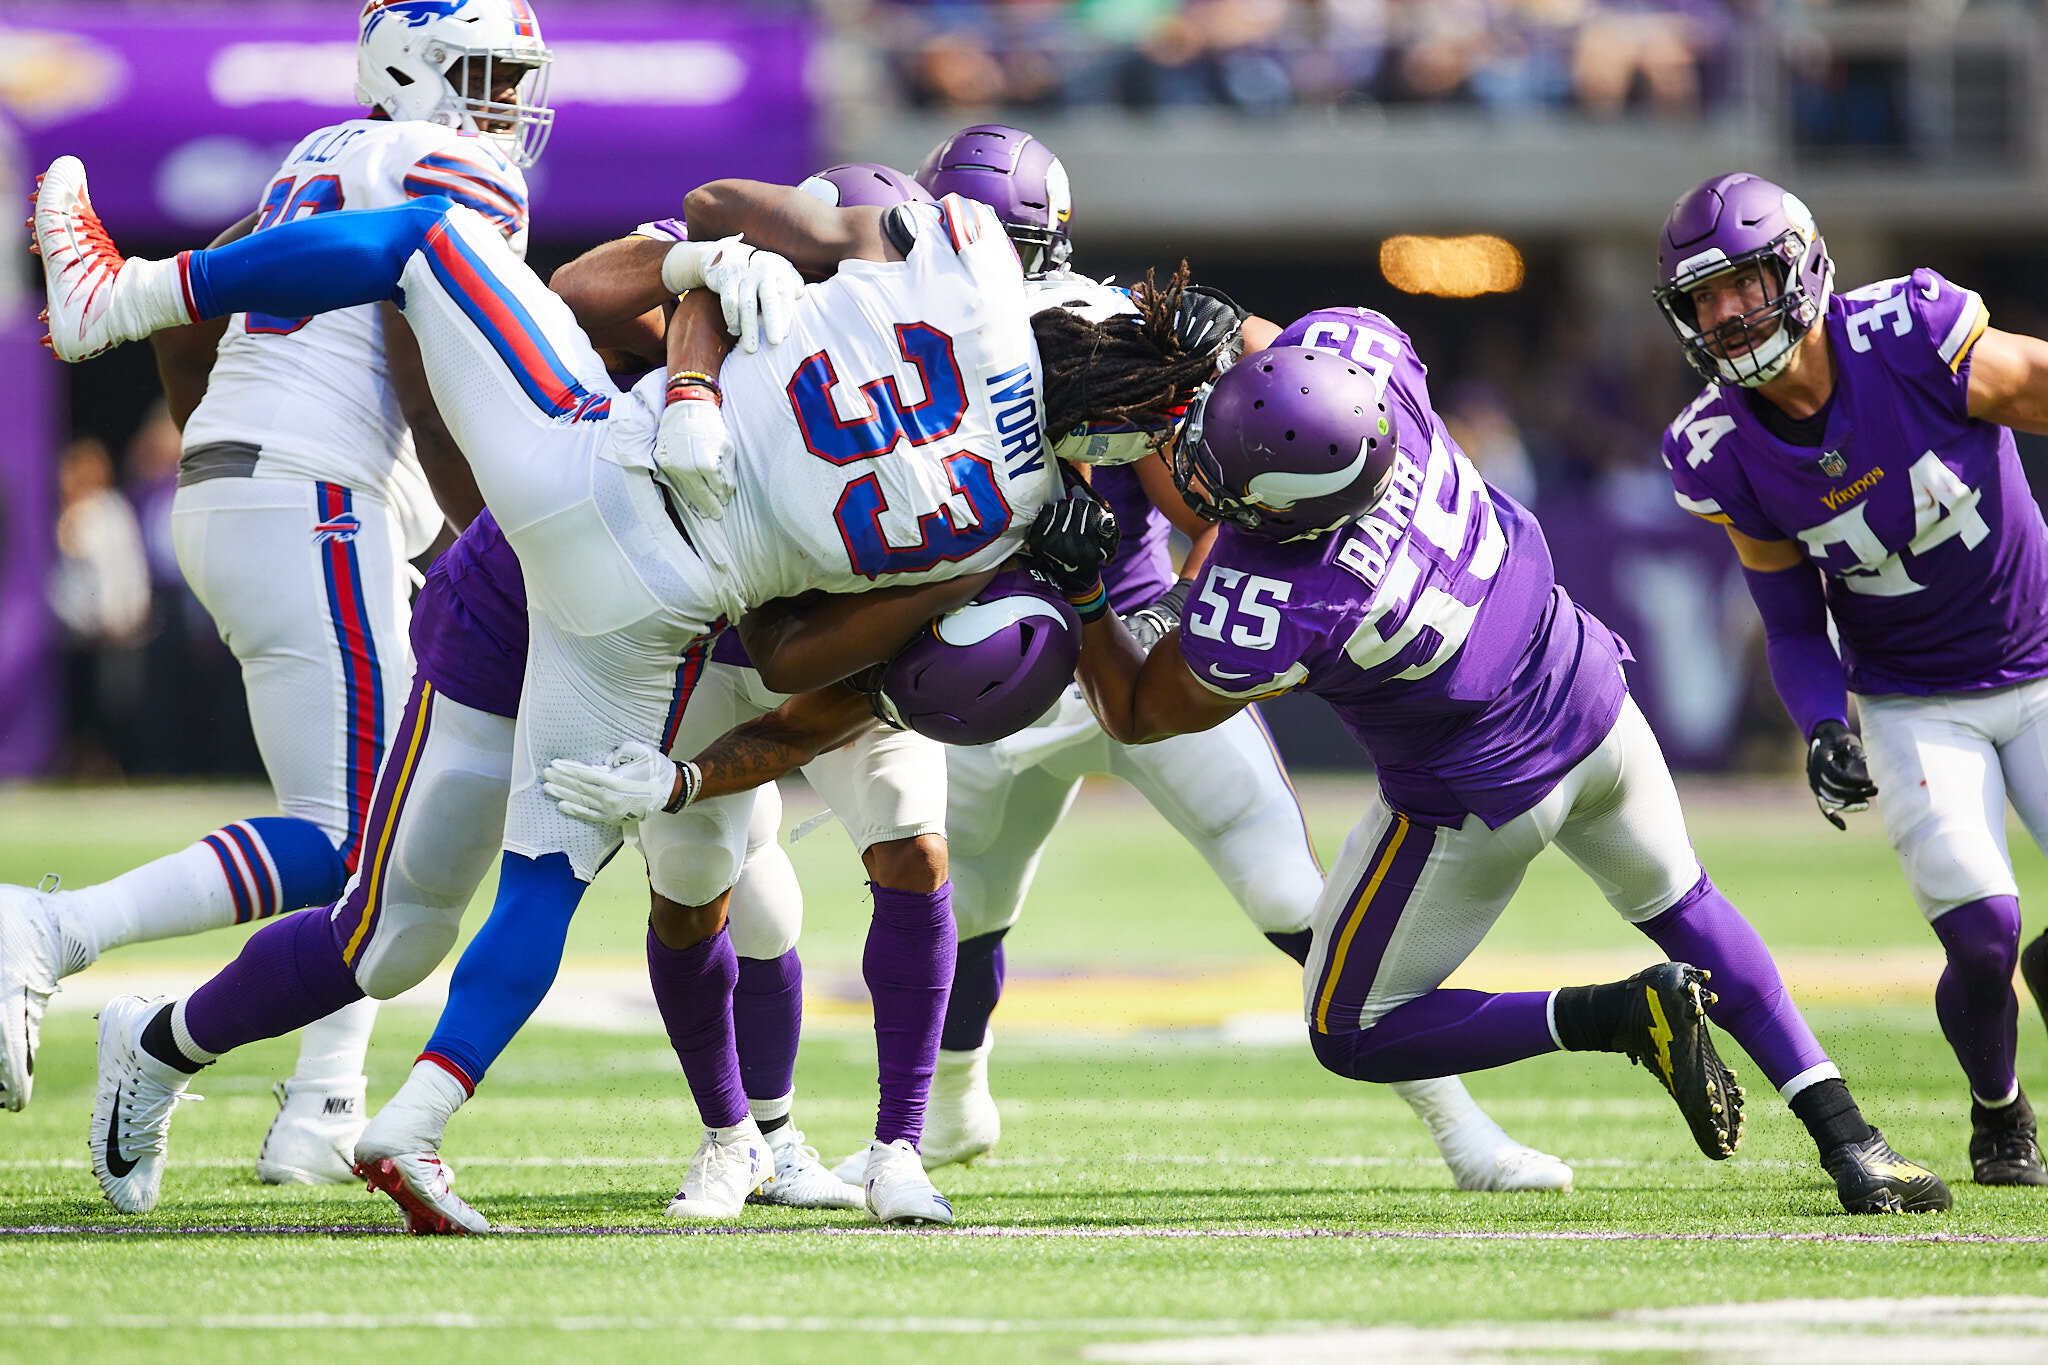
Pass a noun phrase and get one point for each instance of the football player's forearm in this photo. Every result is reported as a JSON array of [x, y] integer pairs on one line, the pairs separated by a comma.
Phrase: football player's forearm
[[768, 747], [1804, 666], [697, 339], [613, 285], [812, 235], [1108, 672], [801, 649]]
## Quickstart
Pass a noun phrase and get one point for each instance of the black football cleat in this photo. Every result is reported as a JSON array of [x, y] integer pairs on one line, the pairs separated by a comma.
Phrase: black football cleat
[[2003, 1147], [1872, 1178], [1665, 1031], [2034, 971]]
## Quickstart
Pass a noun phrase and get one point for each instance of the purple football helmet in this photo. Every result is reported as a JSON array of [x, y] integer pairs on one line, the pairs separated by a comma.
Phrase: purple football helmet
[[1724, 225], [1016, 175], [864, 184], [1289, 443], [987, 670]]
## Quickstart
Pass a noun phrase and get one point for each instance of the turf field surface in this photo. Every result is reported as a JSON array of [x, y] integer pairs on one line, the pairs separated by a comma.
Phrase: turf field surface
[[1171, 1185]]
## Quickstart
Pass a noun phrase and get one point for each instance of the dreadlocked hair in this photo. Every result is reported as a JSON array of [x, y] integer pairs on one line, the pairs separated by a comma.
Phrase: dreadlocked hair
[[1128, 369]]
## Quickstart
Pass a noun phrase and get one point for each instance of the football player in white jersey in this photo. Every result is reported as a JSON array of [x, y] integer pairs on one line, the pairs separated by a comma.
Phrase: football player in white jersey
[[1224, 790], [300, 499], [894, 375]]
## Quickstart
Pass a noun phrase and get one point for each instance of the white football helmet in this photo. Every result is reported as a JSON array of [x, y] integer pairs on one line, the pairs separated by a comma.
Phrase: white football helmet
[[421, 59]]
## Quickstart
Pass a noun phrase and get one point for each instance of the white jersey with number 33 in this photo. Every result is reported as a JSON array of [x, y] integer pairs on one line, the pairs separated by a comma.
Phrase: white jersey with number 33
[[314, 394], [894, 436]]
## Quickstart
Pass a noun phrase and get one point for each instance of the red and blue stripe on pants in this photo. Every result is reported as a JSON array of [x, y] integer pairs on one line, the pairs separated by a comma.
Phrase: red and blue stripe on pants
[[362, 675]]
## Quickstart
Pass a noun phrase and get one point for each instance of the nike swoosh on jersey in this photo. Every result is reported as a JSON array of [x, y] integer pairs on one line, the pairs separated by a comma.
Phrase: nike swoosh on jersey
[[117, 1165], [1227, 672], [1930, 292]]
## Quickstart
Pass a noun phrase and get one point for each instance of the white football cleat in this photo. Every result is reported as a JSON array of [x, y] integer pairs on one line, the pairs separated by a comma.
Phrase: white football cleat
[[853, 1168], [800, 1180], [898, 1189], [80, 265], [31, 959], [961, 1120], [312, 1141], [1483, 1157], [131, 1110], [424, 1190], [725, 1171]]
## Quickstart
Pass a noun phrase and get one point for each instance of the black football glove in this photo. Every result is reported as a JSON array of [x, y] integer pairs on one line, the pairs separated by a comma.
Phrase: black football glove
[[1209, 320], [1149, 625], [1072, 539], [1836, 771]]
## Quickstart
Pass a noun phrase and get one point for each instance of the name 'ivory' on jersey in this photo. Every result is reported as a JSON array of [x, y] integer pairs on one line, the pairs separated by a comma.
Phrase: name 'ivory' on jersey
[[895, 436], [314, 394], [1432, 624], [1920, 518]]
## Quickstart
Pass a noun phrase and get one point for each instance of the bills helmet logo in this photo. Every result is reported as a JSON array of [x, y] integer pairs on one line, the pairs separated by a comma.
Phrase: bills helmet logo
[[416, 13], [340, 528], [1834, 464]]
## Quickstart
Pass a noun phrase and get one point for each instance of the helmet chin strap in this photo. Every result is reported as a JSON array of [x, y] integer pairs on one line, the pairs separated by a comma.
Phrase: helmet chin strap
[[1762, 371]]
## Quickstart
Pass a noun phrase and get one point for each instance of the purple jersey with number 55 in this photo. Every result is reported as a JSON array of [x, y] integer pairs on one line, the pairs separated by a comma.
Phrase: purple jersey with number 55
[[1934, 552], [1432, 624]]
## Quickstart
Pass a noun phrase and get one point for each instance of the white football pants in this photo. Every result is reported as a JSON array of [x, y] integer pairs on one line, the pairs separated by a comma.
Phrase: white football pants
[[617, 597], [1945, 766], [1225, 790], [886, 785], [1406, 903]]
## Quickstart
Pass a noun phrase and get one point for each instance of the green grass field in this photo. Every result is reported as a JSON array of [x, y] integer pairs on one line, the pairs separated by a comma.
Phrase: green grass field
[[1178, 1180]]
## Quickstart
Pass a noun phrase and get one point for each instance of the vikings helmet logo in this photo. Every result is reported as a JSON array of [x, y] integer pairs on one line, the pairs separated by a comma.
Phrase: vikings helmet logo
[[1834, 464]]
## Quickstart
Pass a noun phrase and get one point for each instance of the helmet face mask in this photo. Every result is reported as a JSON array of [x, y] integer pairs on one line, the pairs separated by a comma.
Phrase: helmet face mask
[[1732, 224], [448, 62]]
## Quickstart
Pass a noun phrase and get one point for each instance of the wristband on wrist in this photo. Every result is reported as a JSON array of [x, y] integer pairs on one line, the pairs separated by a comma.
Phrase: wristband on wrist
[[692, 379], [1092, 605], [689, 781]]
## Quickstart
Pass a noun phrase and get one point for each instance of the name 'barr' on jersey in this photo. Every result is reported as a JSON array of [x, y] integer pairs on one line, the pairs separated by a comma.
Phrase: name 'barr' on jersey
[[894, 437], [1432, 624], [1920, 518], [314, 394]]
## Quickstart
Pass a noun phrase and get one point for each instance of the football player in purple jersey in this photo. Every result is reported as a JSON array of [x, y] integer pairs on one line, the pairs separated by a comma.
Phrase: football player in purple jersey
[[1226, 791], [1858, 448], [1363, 558]]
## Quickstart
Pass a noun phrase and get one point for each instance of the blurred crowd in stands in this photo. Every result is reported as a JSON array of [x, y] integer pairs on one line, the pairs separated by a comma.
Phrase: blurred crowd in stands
[[149, 687], [1669, 57]]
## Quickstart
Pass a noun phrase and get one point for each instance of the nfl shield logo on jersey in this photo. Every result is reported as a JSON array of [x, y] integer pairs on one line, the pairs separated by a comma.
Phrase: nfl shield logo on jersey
[[1834, 464], [337, 528]]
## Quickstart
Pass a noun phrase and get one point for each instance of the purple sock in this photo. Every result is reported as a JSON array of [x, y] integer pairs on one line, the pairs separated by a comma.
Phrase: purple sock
[[693, 989], [1444, 1033], [1706, 931], [909, 969], [288, 974], [767, 1019], [1974, 999], [977, 986]]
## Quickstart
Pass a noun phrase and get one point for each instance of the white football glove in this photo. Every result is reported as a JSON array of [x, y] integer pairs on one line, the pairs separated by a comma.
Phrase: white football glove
[[758, 290], [693, 454], [636, 781]]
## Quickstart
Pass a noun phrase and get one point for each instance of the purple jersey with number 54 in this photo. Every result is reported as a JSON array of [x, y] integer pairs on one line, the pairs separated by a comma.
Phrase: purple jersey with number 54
[[1432, 624], [1933, 549]]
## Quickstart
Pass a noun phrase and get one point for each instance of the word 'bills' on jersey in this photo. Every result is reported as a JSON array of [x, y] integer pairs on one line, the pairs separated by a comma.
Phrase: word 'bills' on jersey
[[314, 395], [1433, 624], [1932, 547], [895, 436]]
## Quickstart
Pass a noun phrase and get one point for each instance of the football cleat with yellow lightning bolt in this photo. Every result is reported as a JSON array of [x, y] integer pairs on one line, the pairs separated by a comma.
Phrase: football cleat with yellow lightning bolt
[[1665, 1031]]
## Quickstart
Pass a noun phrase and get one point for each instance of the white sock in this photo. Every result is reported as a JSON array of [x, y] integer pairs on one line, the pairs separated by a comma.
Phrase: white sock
[[182, 1036], [333, 1049], [1443, 1104], [183, 893], [724, 1135], [764, 1111], [417, 1117], [148, 296]]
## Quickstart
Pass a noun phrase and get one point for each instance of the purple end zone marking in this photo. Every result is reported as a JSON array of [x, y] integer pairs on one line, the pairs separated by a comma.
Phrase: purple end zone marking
[[1076, 1234]]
